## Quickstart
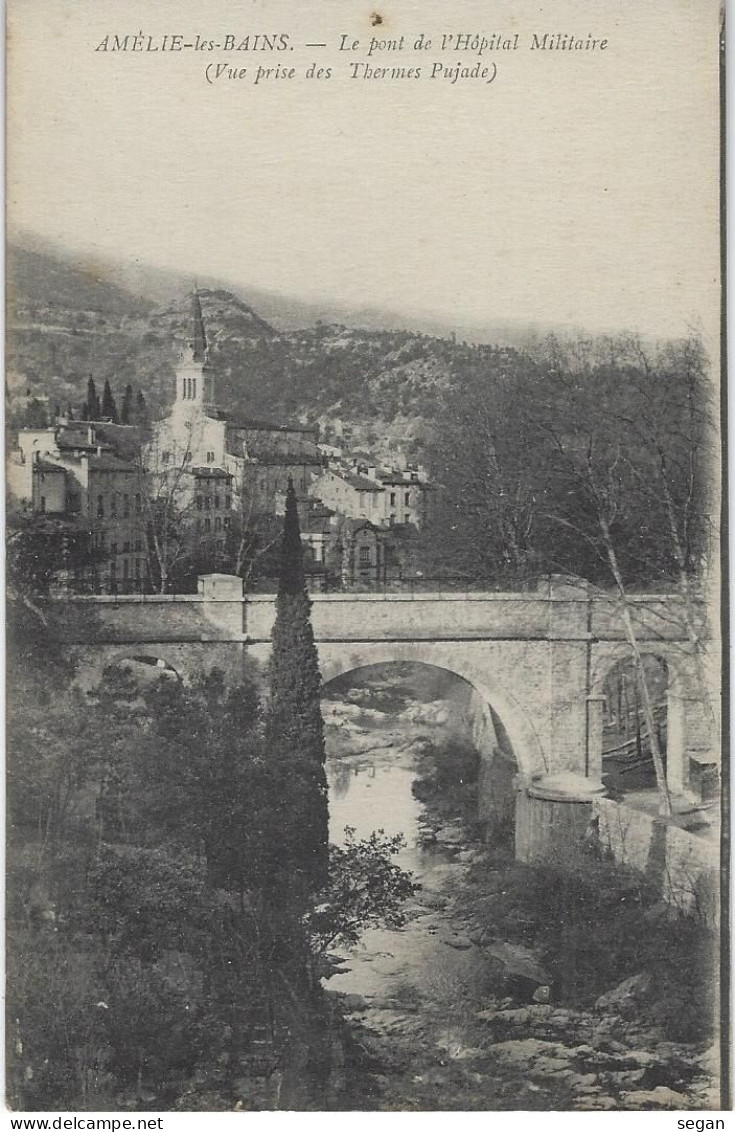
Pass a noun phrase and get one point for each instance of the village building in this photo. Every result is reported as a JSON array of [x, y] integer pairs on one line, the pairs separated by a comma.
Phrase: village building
[[385, 496], [70, 472]]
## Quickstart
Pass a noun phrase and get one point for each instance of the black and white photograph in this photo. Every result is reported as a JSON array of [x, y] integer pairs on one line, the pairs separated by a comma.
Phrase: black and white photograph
[[364, 583]]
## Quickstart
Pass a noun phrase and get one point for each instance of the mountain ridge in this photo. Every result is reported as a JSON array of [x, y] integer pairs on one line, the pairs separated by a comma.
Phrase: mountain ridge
[[68, 320]]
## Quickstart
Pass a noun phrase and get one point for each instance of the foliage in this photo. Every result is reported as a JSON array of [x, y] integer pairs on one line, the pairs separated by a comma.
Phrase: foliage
[[595, 923], [127, 410], [92, 408], [144, 901], [366, 889], [108, 408], [42, 549]]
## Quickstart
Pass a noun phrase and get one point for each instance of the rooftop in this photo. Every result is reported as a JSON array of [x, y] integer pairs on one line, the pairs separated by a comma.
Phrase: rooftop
[[284, 459], [108, 463], [265, 426], [47, 466], [358, 482], [69, 443]]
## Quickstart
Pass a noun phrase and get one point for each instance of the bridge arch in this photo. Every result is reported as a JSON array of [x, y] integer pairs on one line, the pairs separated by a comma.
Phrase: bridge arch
[[494, 698], [147, 663]]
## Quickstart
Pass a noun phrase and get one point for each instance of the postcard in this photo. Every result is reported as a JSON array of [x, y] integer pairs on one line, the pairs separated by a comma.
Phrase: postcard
[[363, 461]]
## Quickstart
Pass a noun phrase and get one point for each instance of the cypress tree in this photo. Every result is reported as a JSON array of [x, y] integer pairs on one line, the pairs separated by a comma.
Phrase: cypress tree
[[141, 409], [296, 730], [109, 408], [93, 401], [126, 413]]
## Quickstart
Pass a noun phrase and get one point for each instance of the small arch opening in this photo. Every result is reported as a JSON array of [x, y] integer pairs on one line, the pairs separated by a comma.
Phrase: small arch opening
[[628, 769]]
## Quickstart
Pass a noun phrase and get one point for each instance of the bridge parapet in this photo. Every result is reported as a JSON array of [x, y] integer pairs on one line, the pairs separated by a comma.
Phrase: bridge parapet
[[426, 616], [151, 617], [221, 612]]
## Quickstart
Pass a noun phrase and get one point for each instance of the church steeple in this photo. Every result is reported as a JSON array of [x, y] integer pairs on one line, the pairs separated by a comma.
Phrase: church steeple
[[197, 340], [194, 379]]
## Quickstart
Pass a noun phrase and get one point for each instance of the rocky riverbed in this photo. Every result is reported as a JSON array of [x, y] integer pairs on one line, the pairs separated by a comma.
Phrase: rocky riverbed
[[460, 1009]]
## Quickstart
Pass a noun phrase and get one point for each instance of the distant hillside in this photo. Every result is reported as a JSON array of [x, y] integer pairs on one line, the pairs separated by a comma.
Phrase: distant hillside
[[67, 321]]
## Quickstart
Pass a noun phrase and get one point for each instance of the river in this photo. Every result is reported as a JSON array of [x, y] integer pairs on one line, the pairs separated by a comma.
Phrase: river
[[454, 1011]]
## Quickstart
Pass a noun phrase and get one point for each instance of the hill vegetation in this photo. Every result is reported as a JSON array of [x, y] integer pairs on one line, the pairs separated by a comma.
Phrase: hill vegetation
[[67, 322]]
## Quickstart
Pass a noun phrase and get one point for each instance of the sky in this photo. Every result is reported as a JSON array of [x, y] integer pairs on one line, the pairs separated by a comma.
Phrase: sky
[[575, 188]]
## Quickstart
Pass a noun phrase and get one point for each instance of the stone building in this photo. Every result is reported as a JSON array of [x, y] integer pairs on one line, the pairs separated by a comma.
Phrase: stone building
[[69, 471], [384, 496]]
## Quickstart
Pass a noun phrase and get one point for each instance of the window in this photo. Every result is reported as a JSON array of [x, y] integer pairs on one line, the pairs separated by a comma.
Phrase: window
[[137, 501], [187, 458], [408, 517], [113, 548], [126, 568], [210, 457], [218, 524], [137, 546], [364, 555], [43, 502], [199, 502], [220, 545], [113, 505], [207, 502], [226, 521], [228, 502], [216, 503], [137, 567], [126, 548], [207, 524], [393, 499], [126, 506], [407, 498], [165, 457], [193, 387]]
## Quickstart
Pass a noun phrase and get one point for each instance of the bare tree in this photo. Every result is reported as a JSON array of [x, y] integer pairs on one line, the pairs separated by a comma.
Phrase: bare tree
[[489, 479], [257, 532], [167, 494], [593, 494]]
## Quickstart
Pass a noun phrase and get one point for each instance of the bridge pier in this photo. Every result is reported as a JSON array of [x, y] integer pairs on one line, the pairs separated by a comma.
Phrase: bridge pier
[[554, 815]]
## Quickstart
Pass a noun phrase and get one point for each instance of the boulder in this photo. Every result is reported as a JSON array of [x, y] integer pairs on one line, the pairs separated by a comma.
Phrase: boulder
[[626, 994], [523, 1051], [660, 1097]]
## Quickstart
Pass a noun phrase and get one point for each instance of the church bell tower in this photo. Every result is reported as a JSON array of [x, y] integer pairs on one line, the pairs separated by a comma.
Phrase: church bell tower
[[194, 378]]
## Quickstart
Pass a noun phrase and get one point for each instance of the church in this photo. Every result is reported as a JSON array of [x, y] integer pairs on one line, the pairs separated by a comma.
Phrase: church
[[198, 442]]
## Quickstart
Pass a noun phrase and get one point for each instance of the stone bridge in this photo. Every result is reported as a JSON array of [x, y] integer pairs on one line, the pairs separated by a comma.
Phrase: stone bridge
[[537, 661]]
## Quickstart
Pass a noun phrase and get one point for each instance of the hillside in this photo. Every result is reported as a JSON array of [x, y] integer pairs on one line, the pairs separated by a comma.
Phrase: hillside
[[67, 321]]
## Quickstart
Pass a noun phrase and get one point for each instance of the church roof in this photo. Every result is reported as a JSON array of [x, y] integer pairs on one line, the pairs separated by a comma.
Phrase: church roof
[[255, 425]]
